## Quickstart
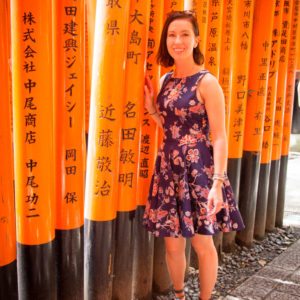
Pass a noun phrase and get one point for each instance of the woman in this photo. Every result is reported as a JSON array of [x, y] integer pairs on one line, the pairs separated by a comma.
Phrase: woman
[[190, 195]]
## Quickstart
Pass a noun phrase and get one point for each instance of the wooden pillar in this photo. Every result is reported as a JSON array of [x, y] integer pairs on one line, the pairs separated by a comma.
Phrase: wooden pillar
[[129, 149], [293, 57], [147, 156], [101, 196], [297, 40], [169, 6], [279, 114], [255, 113], [90, 14], [172, 5], [8, 263], [69, 116], [214, 37], [227, 51], [144, 241], [201, 7], [212, 59], [241, 40], [265, 163], [33, 147]]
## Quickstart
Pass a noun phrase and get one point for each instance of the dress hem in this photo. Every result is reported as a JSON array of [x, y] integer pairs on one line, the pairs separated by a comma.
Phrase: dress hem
[[191, 235]]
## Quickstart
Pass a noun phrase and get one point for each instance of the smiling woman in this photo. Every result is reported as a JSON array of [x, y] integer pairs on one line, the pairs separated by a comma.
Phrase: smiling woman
[[190, 195], [187, 24]]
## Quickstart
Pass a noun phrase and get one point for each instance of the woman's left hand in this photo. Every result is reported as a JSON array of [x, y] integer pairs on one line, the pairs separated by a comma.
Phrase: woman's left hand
[[215, 199]]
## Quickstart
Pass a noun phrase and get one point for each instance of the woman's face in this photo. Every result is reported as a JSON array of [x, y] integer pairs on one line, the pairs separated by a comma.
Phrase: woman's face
[[181, 39]]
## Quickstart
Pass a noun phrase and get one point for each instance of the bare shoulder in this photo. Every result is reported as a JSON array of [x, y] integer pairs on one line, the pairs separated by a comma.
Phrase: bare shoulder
[[209, 85], [208, 81]]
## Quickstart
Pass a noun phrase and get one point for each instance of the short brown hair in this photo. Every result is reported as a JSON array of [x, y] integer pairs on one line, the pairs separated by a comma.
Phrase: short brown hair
[[163, 56]]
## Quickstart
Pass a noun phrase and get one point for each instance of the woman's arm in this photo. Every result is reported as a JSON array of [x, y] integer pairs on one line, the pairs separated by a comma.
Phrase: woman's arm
[[149, 100], [213, 98], [212, 95]]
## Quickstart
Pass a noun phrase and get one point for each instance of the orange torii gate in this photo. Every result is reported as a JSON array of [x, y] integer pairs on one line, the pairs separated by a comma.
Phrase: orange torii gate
[[265, 163], [33, 147], [255, 112], [293, 59], [70, 148], [242, 43], [49, 136], [8, 253], [279, 114]]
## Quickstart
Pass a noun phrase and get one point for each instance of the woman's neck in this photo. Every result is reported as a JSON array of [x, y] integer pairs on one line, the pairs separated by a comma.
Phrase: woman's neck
[[183, 69]]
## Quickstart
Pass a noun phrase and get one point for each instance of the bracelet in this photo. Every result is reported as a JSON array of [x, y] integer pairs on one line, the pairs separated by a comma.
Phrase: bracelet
[[153, 113], [219, 179], [220, 174]]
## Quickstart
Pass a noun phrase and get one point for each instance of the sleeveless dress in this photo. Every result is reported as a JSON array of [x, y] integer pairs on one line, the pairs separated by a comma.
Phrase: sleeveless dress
[[177, 202]]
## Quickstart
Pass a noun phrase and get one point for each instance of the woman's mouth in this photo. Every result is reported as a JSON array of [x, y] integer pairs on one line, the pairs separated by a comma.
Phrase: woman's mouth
[[178, 50]]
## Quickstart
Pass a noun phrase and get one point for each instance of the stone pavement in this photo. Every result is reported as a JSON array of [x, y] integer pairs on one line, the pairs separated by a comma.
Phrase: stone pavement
[[280, 279]]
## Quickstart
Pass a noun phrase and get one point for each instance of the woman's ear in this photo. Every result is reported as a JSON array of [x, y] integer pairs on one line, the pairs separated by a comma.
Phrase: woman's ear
[[196, 42]]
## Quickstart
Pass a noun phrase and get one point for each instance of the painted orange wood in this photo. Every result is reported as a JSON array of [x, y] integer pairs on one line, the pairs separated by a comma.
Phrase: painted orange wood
[[7, 207], [33, 119], [214, 37], [90, 14], [282, 79], [133, 105], [201, 8], [290, 86], [107, 90], [227, 58], [241, 52], [169, 6], [69, 91], [149, 130], [272, 85], [258, 74]]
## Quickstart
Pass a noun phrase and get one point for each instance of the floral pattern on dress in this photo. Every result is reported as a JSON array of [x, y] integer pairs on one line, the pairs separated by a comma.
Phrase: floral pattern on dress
[[182, 179]]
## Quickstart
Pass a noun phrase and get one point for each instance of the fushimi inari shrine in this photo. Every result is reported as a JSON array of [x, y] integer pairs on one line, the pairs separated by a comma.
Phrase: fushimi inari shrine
[[78, 147]]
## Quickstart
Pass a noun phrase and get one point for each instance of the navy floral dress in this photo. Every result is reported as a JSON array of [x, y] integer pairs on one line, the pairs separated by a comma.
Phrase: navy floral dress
[[177, 202]]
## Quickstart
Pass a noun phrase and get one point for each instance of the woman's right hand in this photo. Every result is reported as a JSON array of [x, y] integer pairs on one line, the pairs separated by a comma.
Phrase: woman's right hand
[[149, 94]]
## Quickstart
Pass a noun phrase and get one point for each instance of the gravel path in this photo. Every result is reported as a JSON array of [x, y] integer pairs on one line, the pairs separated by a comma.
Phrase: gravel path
[[242, 263]]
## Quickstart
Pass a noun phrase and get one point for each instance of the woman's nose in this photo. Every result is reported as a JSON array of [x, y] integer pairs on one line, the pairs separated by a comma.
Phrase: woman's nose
[[177, 39]]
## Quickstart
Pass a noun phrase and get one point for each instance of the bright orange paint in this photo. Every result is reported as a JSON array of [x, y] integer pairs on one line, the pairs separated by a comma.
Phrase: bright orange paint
[[107, 90], [33, 120], [282, 79], [201, 7], [226, 60], [148, 141], [241, 52], [90, 13], [214, 36], [290, 87], [169, 6], [258, 74], [69, 114], [7, 208], [133, 105], [272, 85]]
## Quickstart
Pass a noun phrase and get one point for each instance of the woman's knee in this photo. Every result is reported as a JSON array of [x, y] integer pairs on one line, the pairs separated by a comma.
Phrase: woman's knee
[[204, 246], [175, 247]]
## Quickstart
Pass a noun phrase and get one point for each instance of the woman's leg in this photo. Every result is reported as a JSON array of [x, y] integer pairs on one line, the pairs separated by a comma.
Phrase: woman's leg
[[176, 262], [208, 263]]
